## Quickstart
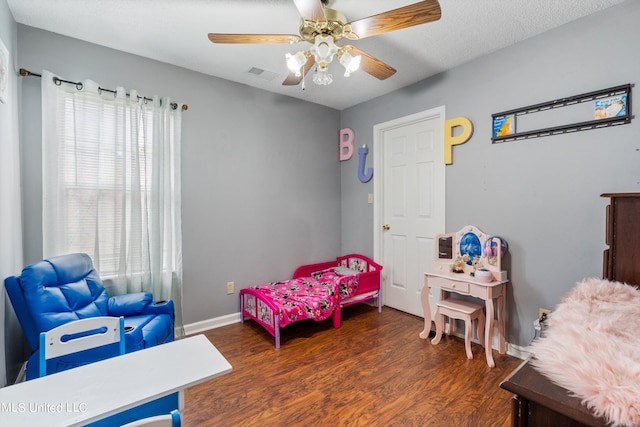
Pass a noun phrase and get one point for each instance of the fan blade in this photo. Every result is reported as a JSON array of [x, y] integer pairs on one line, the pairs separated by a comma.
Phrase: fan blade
[[403, 17], [370, 64], [254, 38], [311, 10], [292, 79]]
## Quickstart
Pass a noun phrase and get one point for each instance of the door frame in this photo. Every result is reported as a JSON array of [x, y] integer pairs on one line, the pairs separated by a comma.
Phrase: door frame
[[378, 183]]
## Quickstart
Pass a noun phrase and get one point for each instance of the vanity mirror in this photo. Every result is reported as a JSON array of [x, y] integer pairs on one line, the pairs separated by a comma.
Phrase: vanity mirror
[[469, 250], [471, 247]]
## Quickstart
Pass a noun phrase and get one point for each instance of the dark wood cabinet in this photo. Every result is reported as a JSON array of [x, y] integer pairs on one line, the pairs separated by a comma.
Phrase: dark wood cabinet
[[540, 403], [622, 258]]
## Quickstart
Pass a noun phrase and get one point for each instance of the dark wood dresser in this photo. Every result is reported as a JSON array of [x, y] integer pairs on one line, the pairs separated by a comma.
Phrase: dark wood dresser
[[622, 258], [540, 403]]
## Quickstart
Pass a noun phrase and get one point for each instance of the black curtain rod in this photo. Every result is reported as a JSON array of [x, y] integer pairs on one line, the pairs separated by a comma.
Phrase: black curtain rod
[[78, 86]]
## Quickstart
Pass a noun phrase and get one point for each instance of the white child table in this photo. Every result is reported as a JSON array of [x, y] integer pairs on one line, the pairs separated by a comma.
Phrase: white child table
[[92, 392]]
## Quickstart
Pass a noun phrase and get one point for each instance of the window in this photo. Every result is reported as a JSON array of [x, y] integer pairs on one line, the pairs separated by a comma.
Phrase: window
[[111, 185], [104, 170], [112, 180]]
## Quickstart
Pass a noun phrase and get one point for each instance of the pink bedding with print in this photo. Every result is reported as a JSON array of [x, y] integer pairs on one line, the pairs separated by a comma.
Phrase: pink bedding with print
[[313, 297]]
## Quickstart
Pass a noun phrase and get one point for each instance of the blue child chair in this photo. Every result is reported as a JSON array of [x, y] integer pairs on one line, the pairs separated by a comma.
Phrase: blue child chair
[[66, 288]]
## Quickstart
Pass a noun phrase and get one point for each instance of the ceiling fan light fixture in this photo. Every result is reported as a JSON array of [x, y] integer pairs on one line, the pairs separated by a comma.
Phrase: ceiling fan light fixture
[[350, 63], [324, 48], [323, 27], [322, 77], [296, 62]]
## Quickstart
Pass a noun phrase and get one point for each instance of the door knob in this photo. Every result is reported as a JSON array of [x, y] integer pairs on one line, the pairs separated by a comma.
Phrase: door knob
[[386, 227]]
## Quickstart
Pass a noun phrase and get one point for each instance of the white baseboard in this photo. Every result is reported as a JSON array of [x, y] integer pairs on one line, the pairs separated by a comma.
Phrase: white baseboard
[[216, 322], [518, 351], [512, 349]]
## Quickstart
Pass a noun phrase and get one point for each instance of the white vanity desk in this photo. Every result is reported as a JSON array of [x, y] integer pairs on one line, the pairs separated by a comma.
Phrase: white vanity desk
[[92, 392], [450, 247], [463, 284]]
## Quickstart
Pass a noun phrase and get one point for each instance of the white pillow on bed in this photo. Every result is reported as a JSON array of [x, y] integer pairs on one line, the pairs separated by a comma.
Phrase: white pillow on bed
[[344, 271], [340, 271]]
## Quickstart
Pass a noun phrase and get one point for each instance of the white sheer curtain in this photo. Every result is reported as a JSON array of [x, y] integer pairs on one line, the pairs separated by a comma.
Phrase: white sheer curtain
[[111, 185]]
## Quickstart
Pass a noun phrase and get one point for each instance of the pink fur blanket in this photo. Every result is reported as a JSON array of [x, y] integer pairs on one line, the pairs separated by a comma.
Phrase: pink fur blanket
[[592, 348]]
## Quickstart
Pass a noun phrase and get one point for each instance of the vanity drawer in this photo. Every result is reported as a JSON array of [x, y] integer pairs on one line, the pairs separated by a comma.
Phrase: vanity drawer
[[449, 285]]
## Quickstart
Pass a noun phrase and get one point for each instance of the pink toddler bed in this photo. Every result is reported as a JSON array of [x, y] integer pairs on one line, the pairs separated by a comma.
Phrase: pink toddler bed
[[316, 292]]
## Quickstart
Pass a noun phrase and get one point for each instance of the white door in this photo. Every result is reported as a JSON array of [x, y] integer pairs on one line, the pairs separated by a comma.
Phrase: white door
[[409, 192]]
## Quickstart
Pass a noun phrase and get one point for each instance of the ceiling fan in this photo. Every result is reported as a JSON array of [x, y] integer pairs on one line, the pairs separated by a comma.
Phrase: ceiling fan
[[323, 27]]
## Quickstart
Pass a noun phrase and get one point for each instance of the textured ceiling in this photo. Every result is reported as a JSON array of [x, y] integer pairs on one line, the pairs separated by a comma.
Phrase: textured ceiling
[[175, 32]]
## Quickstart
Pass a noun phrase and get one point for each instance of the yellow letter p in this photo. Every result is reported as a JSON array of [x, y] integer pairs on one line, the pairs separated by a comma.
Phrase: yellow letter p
[[450, 140]]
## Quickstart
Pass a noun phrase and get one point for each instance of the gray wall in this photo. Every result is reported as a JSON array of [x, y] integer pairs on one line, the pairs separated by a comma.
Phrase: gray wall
[[10, 212], [261, 176], [542, 195]]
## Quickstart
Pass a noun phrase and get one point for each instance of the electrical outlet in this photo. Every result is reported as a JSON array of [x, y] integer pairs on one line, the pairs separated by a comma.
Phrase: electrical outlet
[[540, 324], [536, 325], [230, 288], [543, 313]]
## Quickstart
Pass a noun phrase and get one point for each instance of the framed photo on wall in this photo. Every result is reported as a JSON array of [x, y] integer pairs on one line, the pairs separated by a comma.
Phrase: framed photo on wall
[[4, 71], [614, 106], [504, 125]]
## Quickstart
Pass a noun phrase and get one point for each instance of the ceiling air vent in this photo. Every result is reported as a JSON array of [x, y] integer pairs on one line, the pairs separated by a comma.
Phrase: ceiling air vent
[[263, 74]]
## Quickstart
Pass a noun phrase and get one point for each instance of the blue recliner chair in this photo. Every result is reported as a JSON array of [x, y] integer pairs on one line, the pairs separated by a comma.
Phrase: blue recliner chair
[[64, 288]]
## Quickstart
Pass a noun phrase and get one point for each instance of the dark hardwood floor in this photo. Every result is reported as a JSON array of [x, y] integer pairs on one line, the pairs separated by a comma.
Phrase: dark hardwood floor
[[373, 371]]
